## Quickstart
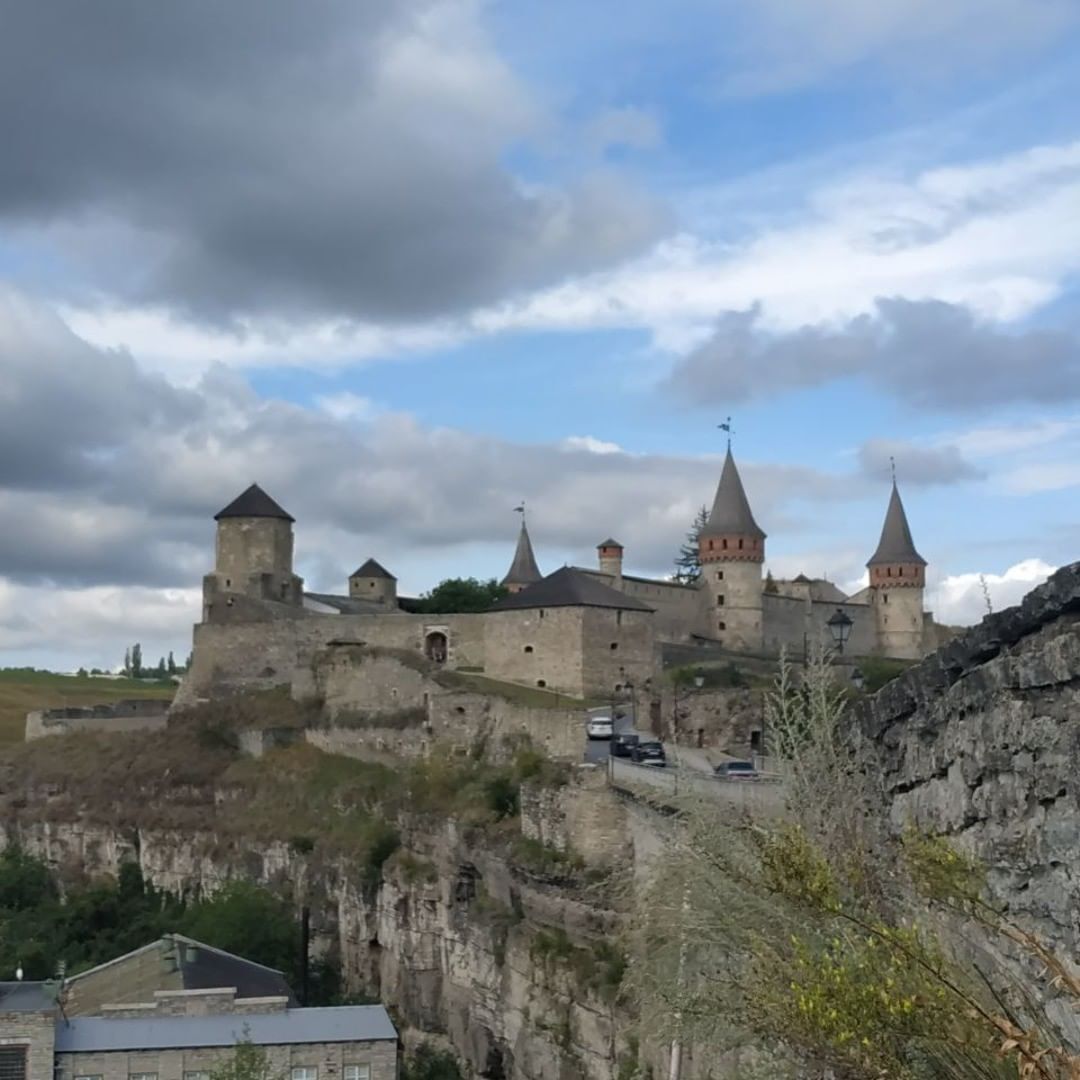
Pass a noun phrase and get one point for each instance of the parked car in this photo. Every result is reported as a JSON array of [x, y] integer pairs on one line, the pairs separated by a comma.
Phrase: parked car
[[648, 753], [622, 744], [736, 770], [599, 727]]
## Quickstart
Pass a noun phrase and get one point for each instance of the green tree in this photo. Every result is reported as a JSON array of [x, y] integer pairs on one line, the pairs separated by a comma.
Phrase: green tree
[[688, 561], [252, 922], [127, 662], [170, 664], [427, 1063], [770, 583], [461, 595], [136, 661], [248, 1062], [160, 671]]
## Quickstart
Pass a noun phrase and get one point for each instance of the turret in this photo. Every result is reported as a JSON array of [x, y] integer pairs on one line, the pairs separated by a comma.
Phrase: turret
[[523, 570], [253, 554], [897, 584], [731, 549], [375, 583], [609, 553]]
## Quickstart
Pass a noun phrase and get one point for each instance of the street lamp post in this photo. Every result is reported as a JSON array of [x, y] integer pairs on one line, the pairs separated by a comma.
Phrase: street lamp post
[[840, 624]]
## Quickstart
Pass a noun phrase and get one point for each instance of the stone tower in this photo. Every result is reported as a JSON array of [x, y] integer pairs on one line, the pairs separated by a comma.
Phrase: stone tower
[[731, 548], [897, 583], [375, 583], [610, 554], [523, 570], [253, 556]]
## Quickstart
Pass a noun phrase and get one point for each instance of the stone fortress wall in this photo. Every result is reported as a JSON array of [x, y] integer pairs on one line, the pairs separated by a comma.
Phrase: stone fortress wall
[[137, 714], [980, 742]]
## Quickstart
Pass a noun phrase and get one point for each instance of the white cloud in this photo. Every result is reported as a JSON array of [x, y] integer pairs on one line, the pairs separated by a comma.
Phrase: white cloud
[[591, 445], [1043, 476], [347, 406], [959, 599], [998, 236], [627, 126], [98, 623], [985, 442]]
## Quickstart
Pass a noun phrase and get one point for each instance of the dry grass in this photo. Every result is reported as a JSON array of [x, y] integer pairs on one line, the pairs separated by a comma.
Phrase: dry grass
[[532, 696], [23, 691]]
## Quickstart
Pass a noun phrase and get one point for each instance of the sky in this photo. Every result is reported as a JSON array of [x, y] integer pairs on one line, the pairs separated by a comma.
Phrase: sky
[[408, 264]]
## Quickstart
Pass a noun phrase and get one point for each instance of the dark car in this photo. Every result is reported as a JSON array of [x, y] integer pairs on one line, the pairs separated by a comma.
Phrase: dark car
[[736, 770], [648, 753], [622, 745]]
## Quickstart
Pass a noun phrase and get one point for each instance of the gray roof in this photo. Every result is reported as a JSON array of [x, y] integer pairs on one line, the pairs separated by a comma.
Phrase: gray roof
[[203, 967], [253, 503], [27, 997], [610, 543], [349, 1023], [349, 605], [895, 545], [523, 570], [731, 513], [569, 587], [373, 569]]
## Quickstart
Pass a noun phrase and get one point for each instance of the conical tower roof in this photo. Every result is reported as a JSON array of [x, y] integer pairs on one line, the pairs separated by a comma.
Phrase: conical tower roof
[[895, 545], [253, 503], [731, 513], [523, 570]]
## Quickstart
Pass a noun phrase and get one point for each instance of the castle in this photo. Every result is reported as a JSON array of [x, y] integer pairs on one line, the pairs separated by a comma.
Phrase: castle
[[580, 631]]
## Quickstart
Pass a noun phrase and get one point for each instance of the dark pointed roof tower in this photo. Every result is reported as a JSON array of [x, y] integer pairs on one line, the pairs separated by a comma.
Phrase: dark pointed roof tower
[[896, 546], [731, 514], [523, 570], [372, 569], [253, 503]]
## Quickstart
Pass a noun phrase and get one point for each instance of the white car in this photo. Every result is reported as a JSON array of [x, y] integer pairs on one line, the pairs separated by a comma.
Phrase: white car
[[600, 727]]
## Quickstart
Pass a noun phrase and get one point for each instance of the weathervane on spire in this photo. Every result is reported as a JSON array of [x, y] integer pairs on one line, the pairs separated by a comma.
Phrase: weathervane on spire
[[726, 426], [892, 467], [521, 510]]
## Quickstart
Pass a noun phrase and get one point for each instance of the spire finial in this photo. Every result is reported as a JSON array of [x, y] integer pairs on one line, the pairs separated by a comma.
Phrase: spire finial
[[892, 467], [726, 426], [521, 510]]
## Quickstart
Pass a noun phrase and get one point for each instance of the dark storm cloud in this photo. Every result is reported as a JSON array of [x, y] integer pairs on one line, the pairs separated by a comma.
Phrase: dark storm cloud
[[925, 353], [920, 465], [268, 157]]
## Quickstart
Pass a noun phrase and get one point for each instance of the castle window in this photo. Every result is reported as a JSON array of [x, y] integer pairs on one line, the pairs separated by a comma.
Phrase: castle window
[[888, 571], [724, 543], [614, 646], [740, 544], [371, 584], [710, 545], [900, 571], [884, 597], [721, 626], [720, 601], [541, 683], [618, 617], [719, 575], [528, 648], [228, 583], [541, 613], [435, 647]]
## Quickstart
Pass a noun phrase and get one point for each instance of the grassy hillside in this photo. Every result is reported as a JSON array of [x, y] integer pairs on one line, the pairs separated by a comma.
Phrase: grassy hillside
[[22, 690]]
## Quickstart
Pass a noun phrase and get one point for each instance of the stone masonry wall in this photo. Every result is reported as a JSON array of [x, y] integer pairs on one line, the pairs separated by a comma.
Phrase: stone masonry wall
[[981, 742], [36, 1032], [121, 718], [536, 646], [328, 1058]]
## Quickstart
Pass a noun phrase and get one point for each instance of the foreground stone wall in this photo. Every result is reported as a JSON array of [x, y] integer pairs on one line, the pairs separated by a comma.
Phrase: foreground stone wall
[[981, 742]]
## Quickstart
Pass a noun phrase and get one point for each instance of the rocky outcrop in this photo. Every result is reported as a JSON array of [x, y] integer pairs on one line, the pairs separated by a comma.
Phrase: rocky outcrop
[[509, 966], [981, 742]]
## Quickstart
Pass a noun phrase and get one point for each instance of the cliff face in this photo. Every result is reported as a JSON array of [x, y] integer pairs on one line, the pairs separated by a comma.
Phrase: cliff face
[[981, 741], [506, 967]]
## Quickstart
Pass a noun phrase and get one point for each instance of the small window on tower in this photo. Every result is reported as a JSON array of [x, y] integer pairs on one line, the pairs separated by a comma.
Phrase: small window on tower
[[371, 584], [724, 542], [740, 544], [618, 618], [710, 545], [884, 597], [614, 646], [528, 648], [900, 571], [719, 575], [721, 626], [541, 683], [720, 600]]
